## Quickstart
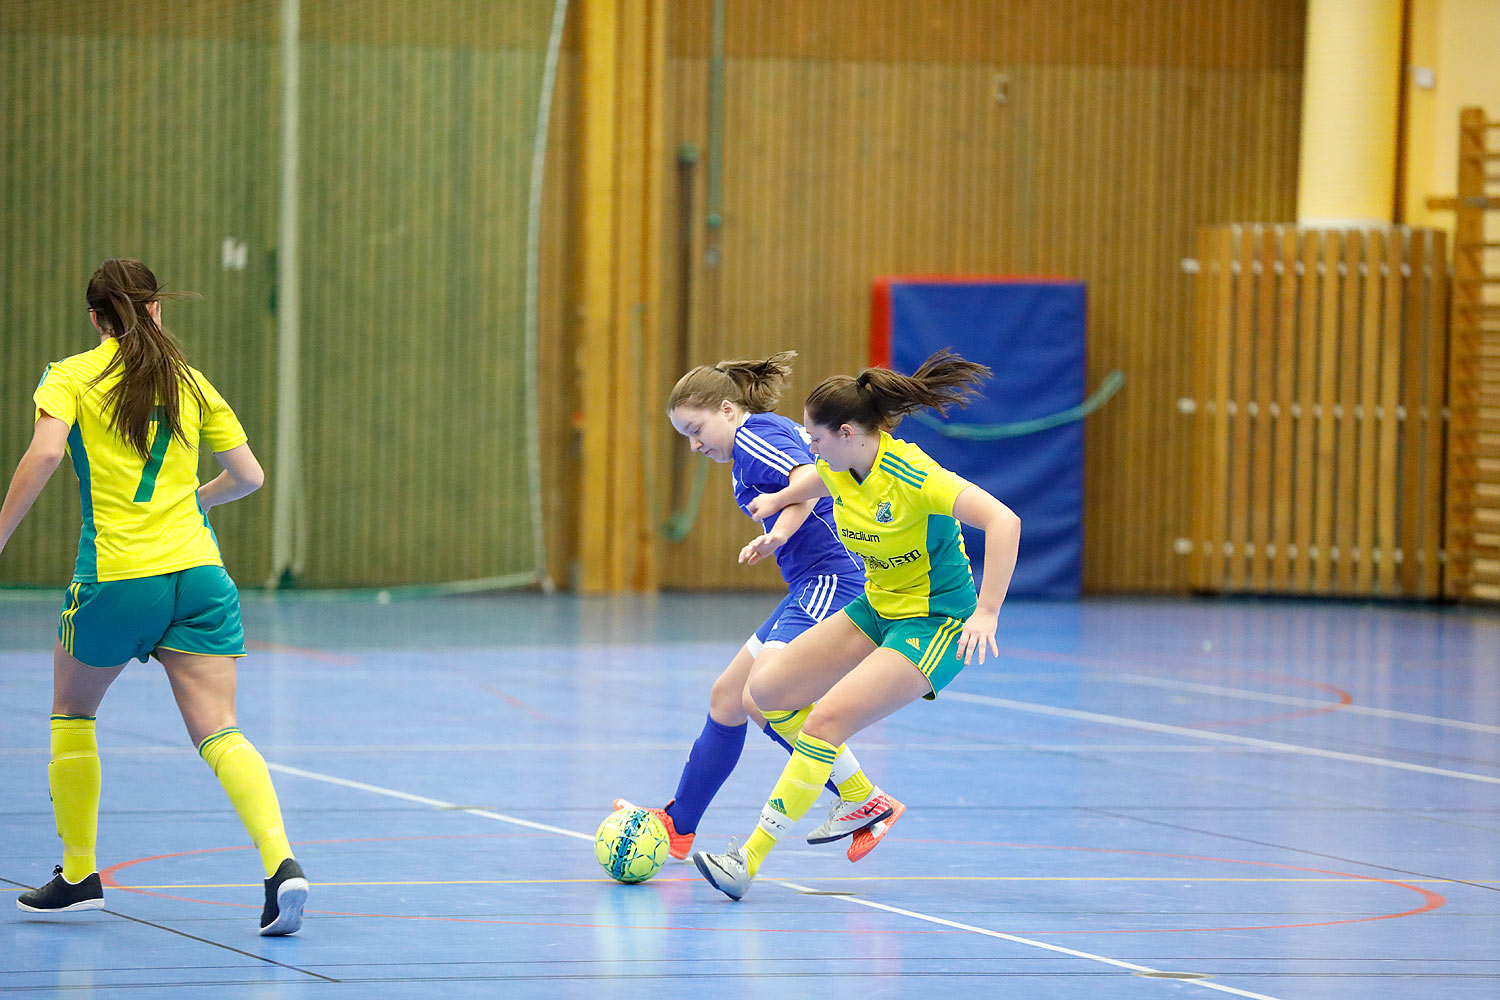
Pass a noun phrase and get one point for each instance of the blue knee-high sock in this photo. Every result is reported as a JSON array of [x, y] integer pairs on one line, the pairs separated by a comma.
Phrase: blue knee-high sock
[[714, 754], [781, 742]]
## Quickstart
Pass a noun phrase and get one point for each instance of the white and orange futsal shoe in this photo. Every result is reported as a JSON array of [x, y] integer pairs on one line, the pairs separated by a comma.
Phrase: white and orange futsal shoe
[[866, 821]]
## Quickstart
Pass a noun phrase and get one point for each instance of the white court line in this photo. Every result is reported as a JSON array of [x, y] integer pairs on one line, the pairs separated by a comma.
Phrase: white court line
[[424, 800], [1286, 699], [1034, 944], [501, 817], [1207, 734]]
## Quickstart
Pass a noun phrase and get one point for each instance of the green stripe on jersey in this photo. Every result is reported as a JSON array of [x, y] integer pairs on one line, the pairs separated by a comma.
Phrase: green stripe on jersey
[[901, 474], [903, 463]]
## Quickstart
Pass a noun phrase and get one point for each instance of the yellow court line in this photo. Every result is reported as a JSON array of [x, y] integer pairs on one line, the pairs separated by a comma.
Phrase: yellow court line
[[856, 878]]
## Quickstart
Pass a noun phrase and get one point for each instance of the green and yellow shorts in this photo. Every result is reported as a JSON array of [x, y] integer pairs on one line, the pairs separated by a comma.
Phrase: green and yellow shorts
[[930, 642], [194, 610]]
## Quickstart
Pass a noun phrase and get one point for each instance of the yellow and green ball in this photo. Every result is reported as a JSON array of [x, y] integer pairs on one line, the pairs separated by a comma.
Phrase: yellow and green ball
[[631, 845]]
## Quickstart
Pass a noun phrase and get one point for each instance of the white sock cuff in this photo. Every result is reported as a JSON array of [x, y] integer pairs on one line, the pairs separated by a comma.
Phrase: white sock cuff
[[845, 766]]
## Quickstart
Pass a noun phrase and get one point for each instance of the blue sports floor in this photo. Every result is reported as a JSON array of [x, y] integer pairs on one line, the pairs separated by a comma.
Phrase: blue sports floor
[[1142, 799]]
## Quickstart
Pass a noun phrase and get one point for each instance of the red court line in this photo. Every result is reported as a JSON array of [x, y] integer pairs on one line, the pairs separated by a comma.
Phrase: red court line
[[1431, 900], [515, 702], [107, 877]]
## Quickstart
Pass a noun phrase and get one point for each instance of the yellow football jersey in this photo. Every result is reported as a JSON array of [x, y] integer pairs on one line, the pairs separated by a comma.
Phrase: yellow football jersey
[[140, 516], [900, 521]]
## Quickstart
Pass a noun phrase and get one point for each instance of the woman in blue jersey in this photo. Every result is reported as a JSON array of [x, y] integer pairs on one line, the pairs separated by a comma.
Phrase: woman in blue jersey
[[919, 621], [724, 411], [149, 580]]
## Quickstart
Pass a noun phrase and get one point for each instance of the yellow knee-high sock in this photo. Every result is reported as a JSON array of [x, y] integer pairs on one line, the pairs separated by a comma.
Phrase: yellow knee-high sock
[[794, 794], [73, 777], [848, 776], [242, 771]]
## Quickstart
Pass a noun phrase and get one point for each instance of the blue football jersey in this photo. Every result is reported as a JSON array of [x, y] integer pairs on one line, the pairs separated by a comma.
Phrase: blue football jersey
[[767, 447]]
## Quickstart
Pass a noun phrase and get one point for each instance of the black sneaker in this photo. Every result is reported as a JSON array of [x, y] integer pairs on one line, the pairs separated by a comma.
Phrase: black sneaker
[[286, 894], [62, 896]]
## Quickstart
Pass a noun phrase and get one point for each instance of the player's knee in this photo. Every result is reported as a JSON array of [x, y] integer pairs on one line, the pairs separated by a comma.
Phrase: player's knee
[[763, 694], [828, 723], [748, 703], [727, 701]]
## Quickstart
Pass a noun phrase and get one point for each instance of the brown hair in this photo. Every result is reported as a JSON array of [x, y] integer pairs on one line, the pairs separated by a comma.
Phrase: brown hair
[[755, 385], [150, 359], [878, 398]]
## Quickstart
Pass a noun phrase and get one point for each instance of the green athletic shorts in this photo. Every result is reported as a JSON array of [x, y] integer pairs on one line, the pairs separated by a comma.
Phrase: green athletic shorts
[[194, 610], [930, 642]]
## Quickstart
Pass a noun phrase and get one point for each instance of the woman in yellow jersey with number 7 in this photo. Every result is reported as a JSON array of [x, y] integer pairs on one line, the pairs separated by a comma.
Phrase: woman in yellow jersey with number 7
[[149, 580], [919, 621]]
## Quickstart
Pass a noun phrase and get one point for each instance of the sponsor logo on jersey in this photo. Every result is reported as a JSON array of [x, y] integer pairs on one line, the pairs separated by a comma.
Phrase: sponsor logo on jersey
[[859, 536]]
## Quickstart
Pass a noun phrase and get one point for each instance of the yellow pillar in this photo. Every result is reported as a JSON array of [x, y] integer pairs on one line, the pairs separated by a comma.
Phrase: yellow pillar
[[1350, 103], [622, 60]]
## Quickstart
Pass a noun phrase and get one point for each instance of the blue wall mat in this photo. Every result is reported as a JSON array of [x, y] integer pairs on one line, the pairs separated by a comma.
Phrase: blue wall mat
[[1031, 333]]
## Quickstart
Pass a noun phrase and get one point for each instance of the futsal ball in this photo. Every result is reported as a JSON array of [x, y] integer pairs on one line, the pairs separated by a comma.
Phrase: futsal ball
[[631, 845]]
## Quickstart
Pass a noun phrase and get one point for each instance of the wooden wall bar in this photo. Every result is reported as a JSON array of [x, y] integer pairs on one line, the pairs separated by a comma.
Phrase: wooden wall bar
[[1473, 501], [1316, 406]]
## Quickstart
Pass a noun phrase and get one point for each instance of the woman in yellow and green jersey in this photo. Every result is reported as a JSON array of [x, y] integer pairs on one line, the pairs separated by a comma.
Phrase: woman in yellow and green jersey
[[149, 580], [919, 621]]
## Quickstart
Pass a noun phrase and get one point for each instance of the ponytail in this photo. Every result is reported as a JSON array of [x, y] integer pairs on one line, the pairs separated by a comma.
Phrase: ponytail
[[150, 360], [878, 398], [754, 385]]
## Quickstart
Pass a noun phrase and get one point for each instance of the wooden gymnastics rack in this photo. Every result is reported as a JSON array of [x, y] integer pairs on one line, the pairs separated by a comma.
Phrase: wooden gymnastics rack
[[1473, 469], [1316, 401]]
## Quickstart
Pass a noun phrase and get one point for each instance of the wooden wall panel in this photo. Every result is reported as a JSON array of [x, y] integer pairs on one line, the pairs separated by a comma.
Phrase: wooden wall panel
[[414, 199], [966, 137]]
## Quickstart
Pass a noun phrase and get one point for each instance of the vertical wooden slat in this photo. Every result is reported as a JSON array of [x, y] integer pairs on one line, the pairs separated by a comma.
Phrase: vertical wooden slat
[[1309, 502], [1435, 329], [1347, 486], [1324, 408], [1199, 387], [1366, 413], [1260, 404], [1415, 512], [1242, 345], [1388, 472], [1222, 479], [1285, 497]]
